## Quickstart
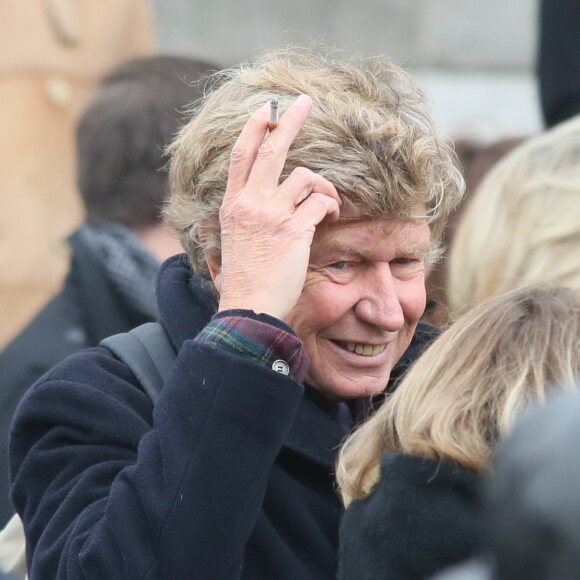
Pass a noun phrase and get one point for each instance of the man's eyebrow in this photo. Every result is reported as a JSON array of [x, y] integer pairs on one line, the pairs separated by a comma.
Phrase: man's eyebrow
[[419, 250], [347, 250]]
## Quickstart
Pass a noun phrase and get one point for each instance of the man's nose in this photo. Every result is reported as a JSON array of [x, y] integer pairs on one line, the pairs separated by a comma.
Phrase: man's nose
[[378, 302]]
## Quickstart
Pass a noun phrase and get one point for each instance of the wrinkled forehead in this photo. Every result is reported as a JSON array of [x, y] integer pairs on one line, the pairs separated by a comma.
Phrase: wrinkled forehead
[[363, 236]]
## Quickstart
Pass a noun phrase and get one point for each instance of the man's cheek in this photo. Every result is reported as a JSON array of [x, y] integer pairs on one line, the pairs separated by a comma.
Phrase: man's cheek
[[324, 314], [415, 306]]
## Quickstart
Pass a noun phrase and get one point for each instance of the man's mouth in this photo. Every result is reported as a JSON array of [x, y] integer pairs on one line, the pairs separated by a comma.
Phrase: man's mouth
[[362, 348]]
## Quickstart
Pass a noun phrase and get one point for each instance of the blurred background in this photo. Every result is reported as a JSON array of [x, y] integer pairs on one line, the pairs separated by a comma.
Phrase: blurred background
[[475, 59]]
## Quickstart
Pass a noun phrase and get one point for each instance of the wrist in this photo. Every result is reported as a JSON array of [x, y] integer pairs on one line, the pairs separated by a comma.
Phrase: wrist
[[260, 337]]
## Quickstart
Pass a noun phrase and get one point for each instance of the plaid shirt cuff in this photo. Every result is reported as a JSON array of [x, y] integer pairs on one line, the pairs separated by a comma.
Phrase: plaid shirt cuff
[[260, 337]]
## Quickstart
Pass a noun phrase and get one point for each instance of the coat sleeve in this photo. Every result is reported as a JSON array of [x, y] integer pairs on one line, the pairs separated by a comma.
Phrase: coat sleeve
[[107, 487]]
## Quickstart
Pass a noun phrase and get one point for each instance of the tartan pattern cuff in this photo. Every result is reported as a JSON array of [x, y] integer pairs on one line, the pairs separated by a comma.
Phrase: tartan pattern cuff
[[259, 337]]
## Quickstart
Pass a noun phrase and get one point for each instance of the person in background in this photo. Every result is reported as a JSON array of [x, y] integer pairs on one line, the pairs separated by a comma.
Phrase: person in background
[[558, 60], [532, 497], [412, 475], [308, 233], [116, 253], [522, 225], [531, 500], [476, 160]]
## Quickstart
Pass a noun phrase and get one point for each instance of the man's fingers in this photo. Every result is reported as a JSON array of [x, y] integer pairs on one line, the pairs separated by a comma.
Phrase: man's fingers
[[271, 155], [300, 184], [316, 208], [291, 121], [256, 163], [246, 148]]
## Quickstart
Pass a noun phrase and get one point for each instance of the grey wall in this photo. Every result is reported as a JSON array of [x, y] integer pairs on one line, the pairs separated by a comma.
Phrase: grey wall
[[443, 33], [481, 49]]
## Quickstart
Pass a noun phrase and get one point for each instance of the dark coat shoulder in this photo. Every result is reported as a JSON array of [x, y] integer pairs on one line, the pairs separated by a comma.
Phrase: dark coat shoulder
[[422, 516]]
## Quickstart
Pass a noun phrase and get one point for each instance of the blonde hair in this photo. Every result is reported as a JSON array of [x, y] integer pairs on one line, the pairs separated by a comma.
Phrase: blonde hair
[[465, 392], [522, 225], [369, 133]]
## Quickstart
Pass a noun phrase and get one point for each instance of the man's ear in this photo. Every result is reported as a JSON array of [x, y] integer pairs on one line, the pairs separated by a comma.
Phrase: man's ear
[[213, 259], [214, 262]]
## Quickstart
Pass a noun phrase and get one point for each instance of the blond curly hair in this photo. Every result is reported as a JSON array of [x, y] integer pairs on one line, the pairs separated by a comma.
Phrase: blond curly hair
[[369, 133]]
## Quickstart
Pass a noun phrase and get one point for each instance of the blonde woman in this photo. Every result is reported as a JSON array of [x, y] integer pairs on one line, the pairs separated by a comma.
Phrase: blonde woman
[[522, 225], [411, 475]]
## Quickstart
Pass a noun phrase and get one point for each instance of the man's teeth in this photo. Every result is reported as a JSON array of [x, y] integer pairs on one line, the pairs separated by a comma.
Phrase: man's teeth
[[364, 349]]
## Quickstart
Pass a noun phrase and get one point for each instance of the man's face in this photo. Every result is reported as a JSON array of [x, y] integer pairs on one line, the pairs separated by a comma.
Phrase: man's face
[[363, 297]]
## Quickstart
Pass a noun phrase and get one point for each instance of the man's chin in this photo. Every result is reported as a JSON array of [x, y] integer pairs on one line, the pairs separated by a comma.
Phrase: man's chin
[[344, 389]]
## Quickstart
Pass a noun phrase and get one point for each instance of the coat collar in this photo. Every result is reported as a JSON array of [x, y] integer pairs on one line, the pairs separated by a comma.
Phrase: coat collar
[[186, 303]]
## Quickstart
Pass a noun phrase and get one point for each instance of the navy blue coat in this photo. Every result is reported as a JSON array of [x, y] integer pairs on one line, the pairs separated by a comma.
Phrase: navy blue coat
[[230, 476]]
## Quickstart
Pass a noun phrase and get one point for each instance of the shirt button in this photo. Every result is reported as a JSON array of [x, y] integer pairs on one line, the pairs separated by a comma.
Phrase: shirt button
[[281, 366]]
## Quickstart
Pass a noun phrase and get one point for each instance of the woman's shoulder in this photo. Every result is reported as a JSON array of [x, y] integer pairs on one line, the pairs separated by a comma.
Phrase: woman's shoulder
[[421, 516], [398, 468], [410, 484]]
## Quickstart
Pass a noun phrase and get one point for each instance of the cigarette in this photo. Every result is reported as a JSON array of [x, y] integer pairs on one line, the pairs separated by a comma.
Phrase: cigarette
[[274, 115]]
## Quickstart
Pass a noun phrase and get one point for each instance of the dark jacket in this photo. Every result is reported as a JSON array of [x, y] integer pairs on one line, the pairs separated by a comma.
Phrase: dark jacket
[[421, 517], [86, 310], [230, 476]]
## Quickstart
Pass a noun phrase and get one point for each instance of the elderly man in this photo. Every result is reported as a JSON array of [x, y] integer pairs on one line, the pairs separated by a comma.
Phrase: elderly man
[[308, 243]]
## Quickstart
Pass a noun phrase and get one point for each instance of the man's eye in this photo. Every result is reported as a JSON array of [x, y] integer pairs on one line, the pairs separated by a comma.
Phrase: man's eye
[[338, 265], [403, 261]]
